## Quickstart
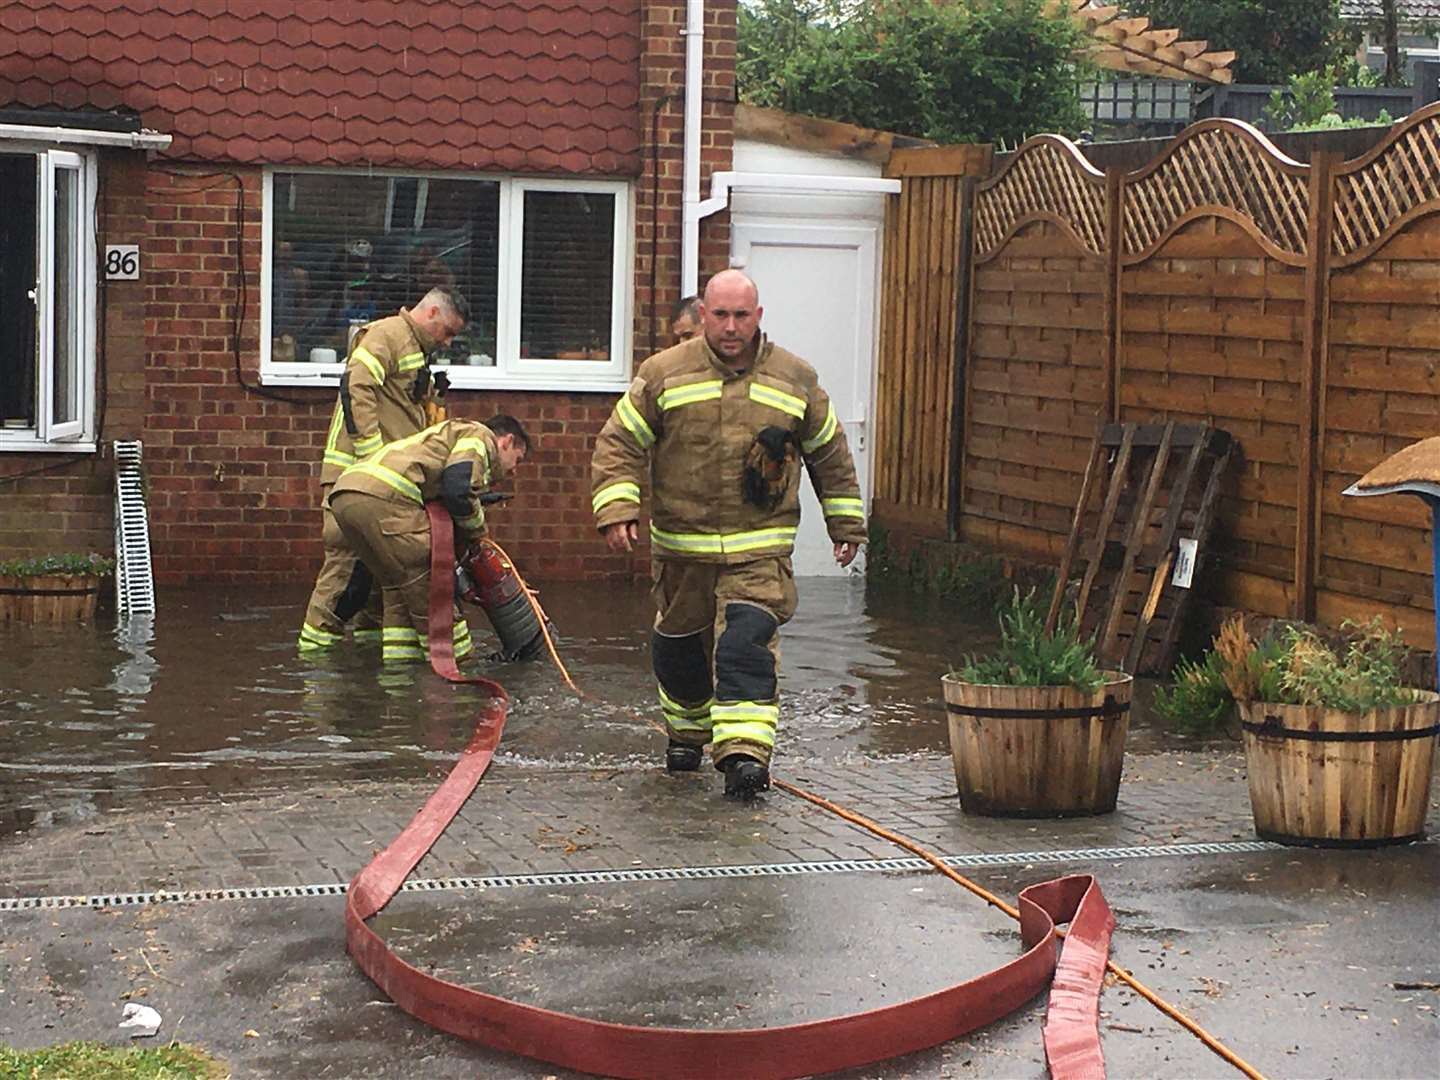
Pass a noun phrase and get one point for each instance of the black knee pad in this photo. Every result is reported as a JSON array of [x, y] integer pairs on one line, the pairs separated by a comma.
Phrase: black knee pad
[[357, 592], [682, 667], [744, 665]]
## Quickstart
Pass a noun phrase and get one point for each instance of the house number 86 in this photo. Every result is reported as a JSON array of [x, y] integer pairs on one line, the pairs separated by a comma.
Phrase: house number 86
[[122, 262]]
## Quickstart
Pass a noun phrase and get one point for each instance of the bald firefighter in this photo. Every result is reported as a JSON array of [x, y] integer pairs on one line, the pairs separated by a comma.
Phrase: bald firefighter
[[379, 508], [384, 393], [721, 425]]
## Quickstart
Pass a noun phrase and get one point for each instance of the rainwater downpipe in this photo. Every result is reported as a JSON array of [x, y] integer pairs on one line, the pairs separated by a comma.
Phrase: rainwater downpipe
[[690, 196]]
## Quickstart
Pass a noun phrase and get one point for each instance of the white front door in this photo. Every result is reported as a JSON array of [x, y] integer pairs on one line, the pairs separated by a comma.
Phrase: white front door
[[818, 288]]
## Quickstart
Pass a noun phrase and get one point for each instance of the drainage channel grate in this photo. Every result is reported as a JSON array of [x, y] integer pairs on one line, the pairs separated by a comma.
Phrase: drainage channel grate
[[620, 877]]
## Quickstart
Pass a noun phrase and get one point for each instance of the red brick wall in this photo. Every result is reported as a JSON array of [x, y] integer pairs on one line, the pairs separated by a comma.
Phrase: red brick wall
[[233, 469]]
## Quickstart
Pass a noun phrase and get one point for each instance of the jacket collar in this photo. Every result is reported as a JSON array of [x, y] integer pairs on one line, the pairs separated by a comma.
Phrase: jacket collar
[[762, 353], [427, 343]]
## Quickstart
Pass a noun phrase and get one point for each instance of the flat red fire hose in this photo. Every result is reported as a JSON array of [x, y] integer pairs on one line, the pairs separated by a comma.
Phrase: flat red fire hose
[[620, 1050]]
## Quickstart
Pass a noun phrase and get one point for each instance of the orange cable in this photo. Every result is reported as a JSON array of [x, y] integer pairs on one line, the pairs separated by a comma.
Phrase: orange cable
[[918, 849]]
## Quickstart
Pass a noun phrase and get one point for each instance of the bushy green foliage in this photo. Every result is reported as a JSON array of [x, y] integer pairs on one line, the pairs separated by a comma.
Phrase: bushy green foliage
[[974, 583], [1291, 666], [972, 71], [1307, 103], [1366, 674], [1273, 39], [1027, 656], [1198, 701], [66, 563]]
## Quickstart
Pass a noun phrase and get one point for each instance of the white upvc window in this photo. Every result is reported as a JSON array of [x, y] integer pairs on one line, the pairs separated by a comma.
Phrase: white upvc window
[[47, 299], [545, 265]]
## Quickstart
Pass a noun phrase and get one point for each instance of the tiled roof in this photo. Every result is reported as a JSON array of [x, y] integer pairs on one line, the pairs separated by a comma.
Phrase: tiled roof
[[1409, 11], [513, 85]]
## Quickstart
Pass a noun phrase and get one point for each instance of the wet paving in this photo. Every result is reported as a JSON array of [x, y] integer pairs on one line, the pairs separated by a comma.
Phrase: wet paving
[[213, 698]]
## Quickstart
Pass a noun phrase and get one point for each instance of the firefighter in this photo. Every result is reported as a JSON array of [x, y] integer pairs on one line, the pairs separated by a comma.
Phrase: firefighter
[[721, 425], [685, 320], [386, 393], [379, 508]]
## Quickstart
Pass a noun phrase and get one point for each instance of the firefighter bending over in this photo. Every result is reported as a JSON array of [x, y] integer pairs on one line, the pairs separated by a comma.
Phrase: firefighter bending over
[[384, 393], [721, 424], [379, 507]]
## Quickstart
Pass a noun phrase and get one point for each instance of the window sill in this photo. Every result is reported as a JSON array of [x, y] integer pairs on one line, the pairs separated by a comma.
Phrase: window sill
[[32, 445], [463, 377]]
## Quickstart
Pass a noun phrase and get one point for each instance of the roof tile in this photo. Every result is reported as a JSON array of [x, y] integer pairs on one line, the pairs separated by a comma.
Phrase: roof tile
[[524, 85]]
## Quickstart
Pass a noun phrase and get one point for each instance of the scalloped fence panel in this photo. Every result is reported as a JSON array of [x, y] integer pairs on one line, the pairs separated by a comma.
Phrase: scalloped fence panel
[[1294, 305]]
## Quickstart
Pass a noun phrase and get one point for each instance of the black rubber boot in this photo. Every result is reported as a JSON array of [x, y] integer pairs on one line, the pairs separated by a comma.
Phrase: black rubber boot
[[682, 757], [745, 777]]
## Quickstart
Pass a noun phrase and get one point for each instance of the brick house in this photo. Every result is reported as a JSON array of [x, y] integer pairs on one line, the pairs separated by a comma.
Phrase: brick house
[[204, 196]]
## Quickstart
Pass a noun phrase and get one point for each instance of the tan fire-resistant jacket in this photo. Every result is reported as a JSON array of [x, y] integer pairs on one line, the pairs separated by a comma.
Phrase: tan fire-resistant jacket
[[454, 461], [377, 402], [692, 421]]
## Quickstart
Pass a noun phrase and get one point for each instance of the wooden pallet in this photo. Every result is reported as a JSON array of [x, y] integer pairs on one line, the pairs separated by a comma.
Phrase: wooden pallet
[[1161, 486]]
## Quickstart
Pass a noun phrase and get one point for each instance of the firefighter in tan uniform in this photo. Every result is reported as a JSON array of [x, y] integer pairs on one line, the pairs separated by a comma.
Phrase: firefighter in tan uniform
[[383, 395], [379, 508], [721, 425]]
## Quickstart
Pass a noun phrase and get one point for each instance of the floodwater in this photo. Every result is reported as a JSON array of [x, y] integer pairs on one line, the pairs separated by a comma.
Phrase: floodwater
[[212, 699]]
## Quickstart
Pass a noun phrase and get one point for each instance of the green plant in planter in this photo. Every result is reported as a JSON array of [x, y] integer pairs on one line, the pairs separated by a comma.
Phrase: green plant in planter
[[66, 564], [1027, 656], [1294, 666]]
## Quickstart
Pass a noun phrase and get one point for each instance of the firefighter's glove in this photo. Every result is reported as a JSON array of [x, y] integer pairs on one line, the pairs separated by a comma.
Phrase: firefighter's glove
[[768, 471]]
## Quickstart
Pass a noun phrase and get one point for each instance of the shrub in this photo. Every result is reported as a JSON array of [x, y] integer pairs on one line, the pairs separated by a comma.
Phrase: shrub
[[1027, 656], [63, 564], [1199, 701]]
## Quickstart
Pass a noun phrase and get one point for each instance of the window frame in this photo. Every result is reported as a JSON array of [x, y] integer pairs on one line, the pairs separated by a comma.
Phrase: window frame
[[78, 435], [510, 371]]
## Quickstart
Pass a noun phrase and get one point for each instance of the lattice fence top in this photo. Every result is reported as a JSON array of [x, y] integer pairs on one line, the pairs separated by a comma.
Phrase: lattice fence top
[[1048, 178], [1224, 164], [1375, 193]]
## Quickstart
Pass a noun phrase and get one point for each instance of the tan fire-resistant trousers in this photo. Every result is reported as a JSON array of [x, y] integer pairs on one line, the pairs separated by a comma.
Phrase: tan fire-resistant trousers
[[716, 651], [336, 591]]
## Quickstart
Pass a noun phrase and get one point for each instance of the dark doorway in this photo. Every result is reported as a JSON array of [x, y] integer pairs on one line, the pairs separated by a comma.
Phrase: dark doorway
[[18, 174]]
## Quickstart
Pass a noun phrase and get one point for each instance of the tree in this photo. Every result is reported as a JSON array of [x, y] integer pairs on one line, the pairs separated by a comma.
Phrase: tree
[[1273, 39], [973, 70]]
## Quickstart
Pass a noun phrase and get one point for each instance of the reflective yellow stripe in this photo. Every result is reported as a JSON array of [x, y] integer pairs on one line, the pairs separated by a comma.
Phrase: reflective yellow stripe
[[369, 444], [402, 654], [689, 394], [460, 631], [473, 522], [371, 362], [367, 637], [723, 543], [634, 422], [339, 457], [411, 361], [400, 633], [778, 399], [390, 477], [471, 442], [688, 712], [312, 637], [843, 507], [823, 436], [332, 437], [756, 731], [623, 489]]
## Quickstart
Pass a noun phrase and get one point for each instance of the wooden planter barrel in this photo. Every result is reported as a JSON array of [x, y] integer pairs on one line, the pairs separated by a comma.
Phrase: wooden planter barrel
[[48, 598], [1325, 778], [1038, 751]]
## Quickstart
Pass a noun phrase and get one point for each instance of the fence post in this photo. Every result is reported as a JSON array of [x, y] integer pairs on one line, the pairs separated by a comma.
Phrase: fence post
[[1311, 466], [1110, 324], [964, 294]]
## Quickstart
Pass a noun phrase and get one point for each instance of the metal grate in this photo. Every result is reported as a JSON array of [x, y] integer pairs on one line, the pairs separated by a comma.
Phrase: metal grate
[[134, 582], [627, 876]]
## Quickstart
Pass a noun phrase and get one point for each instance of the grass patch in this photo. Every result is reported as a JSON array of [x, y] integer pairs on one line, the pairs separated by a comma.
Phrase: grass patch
[[96, 1061]]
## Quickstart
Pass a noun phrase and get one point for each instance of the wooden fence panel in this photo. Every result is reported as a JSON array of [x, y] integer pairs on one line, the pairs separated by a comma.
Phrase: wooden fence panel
[[1382, 378], [915, 407], [1035, 373]]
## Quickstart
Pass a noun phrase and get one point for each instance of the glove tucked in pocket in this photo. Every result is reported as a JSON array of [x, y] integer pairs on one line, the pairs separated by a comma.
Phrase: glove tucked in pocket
[[768, 468]]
